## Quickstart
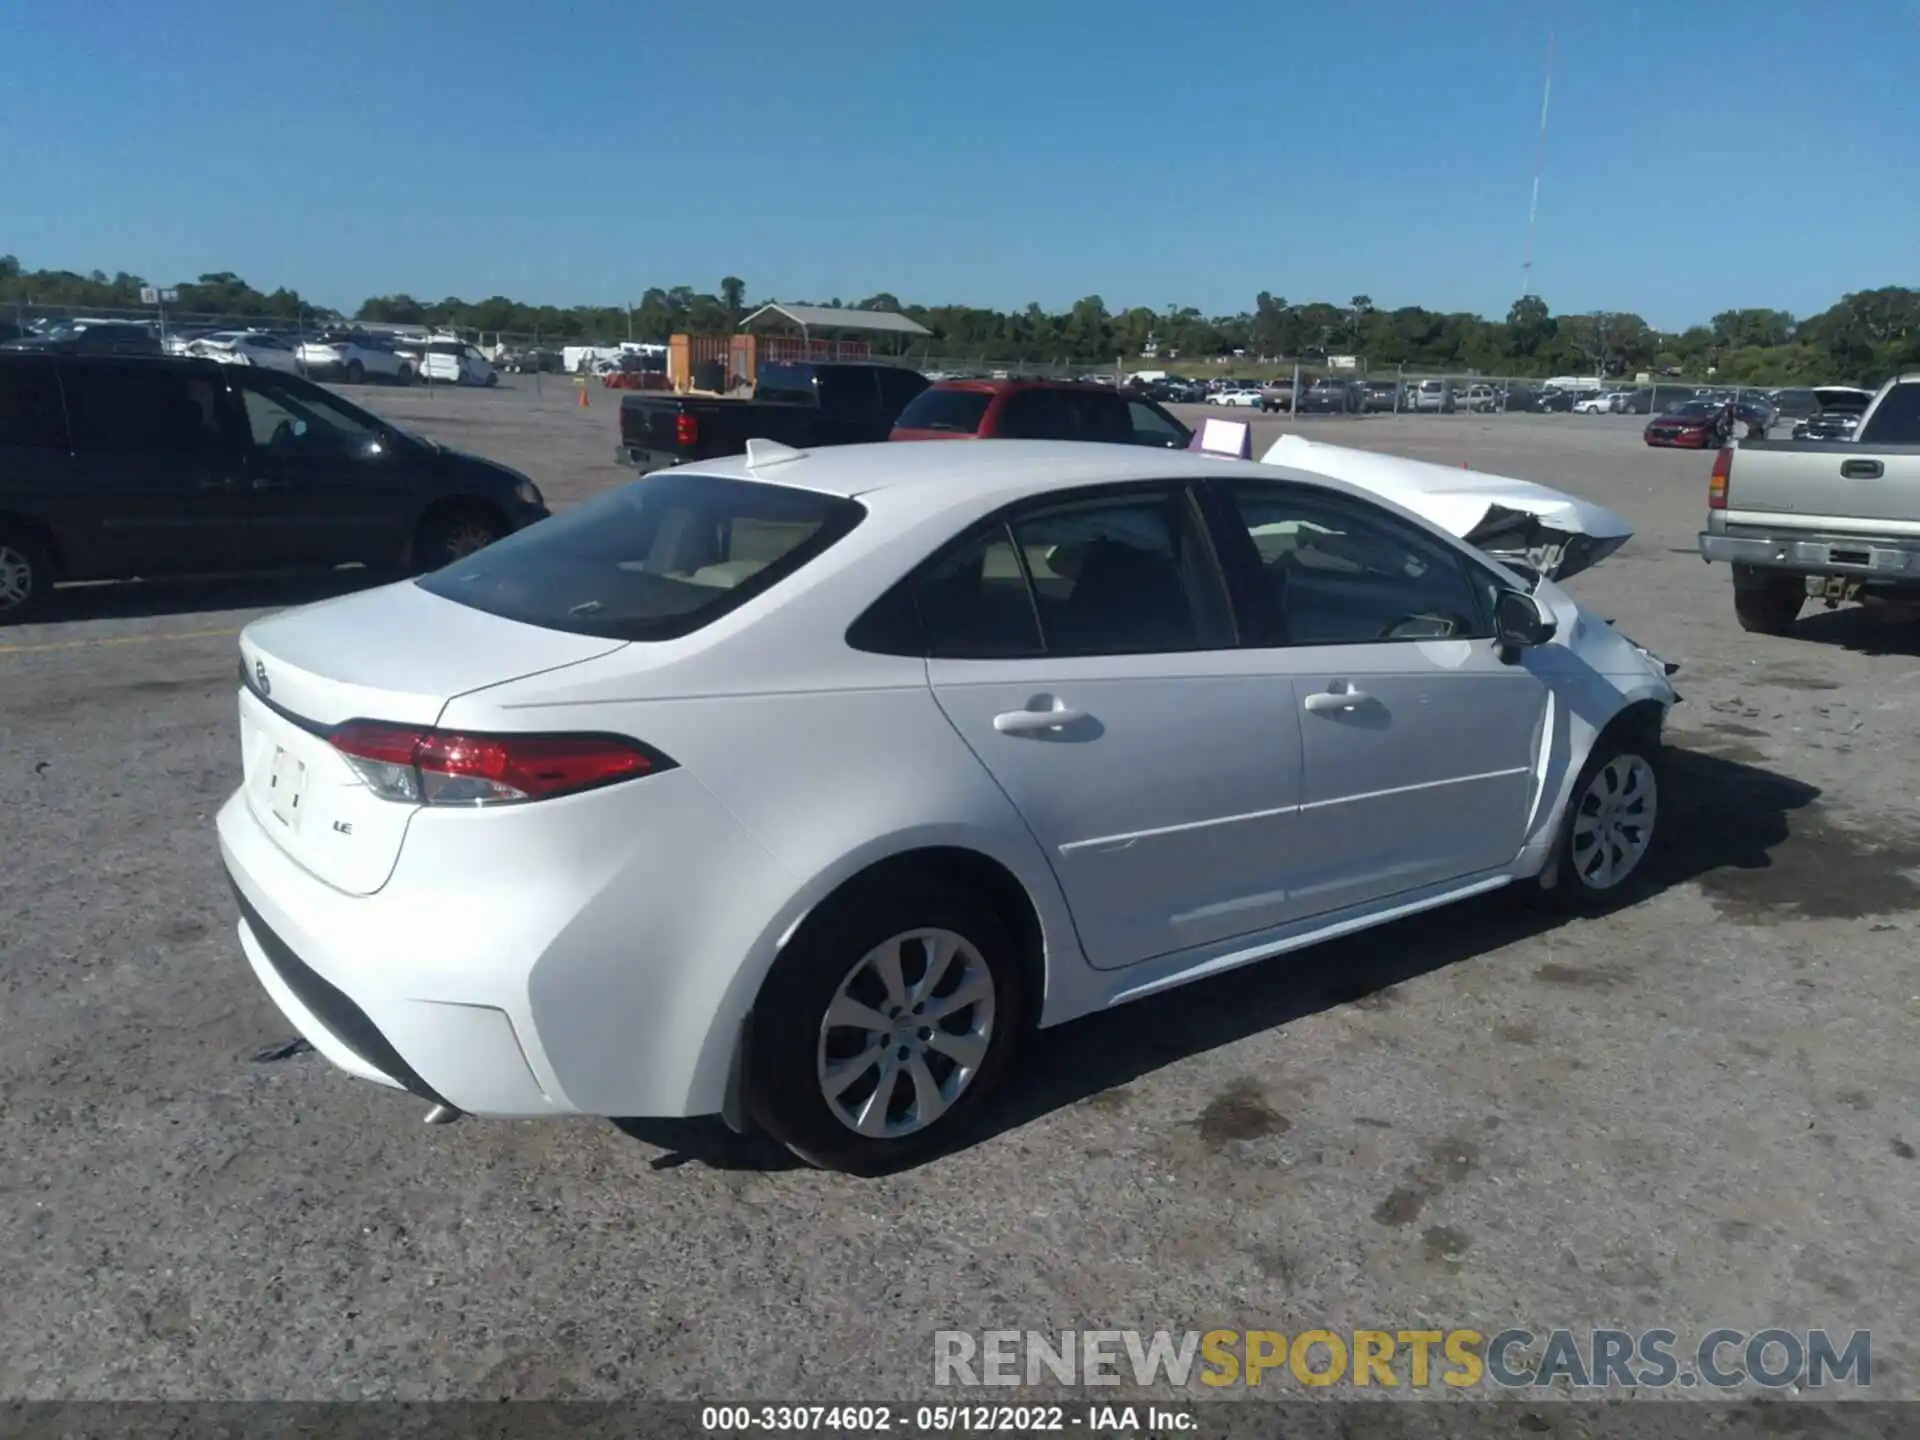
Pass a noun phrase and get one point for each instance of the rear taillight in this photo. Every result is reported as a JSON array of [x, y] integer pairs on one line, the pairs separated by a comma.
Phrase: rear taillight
[[417, 766], [686, 430], [1717, 481]]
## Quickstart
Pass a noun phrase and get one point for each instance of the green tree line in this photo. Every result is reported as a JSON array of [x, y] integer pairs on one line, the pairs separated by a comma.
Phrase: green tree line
[[1863, 336]]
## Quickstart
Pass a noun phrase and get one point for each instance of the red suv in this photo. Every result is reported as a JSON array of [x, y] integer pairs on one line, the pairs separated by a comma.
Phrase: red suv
[[1037, 410]]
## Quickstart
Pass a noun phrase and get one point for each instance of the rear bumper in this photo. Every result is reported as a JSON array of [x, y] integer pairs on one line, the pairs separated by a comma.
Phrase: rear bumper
[[1821, 555], [539, 962], [644, 461]]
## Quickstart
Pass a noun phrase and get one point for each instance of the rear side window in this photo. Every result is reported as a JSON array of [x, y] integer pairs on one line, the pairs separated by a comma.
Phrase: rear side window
[[30, 415], [954, 412], [653, 560], [136, 409]]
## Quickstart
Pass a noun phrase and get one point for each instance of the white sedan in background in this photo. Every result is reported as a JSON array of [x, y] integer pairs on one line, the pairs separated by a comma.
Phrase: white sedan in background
[[246, 347], [355, 359], [685, 802], [1597, 404], [1234, 397]]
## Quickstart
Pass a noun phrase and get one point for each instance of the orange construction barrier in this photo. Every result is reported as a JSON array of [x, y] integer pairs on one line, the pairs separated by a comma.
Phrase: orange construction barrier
[[584, 402]]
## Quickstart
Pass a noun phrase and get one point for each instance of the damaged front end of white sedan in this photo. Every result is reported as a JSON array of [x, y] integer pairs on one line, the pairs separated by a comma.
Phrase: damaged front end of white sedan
[[1538, 533]]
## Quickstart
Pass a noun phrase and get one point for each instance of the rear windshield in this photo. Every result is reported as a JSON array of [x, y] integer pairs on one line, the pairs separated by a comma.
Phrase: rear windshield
[[958, 412], [654, 560]]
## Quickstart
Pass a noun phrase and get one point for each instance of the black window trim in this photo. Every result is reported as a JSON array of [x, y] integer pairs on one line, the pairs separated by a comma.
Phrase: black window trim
[[1213, 571], [1236, 548]]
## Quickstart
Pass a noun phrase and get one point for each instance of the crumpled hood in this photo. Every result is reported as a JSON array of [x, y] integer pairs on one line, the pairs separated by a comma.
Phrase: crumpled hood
[[1522, 525]]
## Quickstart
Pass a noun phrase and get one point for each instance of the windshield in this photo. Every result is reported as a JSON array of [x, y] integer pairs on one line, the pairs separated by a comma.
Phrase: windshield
[[653, 560]]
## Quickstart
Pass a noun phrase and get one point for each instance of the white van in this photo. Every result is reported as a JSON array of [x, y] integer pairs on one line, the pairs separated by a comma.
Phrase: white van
[[455, 362]]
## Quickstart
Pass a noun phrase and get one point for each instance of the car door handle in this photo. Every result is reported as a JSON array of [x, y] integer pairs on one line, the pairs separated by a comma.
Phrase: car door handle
[[270, 484], [1333, 701], [213, 482], [1035, 722], [1862, 469]]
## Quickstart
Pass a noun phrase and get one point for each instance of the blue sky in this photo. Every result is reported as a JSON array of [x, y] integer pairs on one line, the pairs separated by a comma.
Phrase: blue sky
[[1699, 156]]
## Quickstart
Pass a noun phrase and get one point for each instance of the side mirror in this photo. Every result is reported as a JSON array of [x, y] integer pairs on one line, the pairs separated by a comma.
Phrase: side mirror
[[1519, 623]]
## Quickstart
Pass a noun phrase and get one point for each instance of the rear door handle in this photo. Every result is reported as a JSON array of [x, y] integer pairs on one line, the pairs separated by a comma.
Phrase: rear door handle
[[1333, 701], [1036, 722], [1862, 469]]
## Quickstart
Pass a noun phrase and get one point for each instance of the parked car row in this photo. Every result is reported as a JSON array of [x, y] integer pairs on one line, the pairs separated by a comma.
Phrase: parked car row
[[343, 356]]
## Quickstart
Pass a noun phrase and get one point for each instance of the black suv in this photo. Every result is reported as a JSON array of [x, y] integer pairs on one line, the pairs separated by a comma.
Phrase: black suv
[[116, 467]]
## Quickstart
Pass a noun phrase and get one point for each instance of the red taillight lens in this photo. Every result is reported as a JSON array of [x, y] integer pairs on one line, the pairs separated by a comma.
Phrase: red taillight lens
[[417, 766], [1717, 481], [686, 430]]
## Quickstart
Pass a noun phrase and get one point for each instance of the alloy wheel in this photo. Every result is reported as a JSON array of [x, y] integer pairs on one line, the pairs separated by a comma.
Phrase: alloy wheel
[[466, 538], [906, 1033], [1613, 822], [16, 578]]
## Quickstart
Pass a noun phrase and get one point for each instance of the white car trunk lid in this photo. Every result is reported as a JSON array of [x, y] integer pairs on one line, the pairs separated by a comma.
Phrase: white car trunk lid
[[1518, 522], [395, 654]]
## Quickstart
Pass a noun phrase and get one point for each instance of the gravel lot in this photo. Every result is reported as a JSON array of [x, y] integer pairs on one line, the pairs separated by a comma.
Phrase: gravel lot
[[1699, 1112]]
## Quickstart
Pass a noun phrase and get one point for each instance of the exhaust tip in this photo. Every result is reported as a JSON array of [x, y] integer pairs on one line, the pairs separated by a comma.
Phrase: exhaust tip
[[443, 1115]]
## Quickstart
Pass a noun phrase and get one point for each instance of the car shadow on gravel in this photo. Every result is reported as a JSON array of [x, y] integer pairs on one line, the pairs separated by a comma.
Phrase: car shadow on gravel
[[1861, 629], [201, 595], [1723, 815]]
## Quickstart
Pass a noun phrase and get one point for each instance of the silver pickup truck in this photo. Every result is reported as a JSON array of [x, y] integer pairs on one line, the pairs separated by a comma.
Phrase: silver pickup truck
[[1829, 520]]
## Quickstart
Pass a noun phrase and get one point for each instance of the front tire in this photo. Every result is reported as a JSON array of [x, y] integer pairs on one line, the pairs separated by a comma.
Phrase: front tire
[[26, 576], [355, 372], [1611, 826], [1767, 604], [883, 1026]]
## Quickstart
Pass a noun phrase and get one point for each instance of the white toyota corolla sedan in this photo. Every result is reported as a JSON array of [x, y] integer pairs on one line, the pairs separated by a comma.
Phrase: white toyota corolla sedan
[[798, 787]]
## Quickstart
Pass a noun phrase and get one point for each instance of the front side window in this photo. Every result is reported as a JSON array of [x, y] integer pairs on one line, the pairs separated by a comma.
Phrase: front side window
[[1153, 426], [1341, 572], [652, 560], [1897, 421], [296, 420]]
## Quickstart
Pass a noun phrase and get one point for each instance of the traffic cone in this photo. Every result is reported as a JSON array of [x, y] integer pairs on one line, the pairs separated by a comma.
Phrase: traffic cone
[[584, 402]]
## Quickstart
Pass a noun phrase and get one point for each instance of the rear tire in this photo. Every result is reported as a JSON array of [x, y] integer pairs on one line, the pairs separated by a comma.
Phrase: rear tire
[[355, 372], [453, 533], [1767, 604], [26, 576], [810, 1084]]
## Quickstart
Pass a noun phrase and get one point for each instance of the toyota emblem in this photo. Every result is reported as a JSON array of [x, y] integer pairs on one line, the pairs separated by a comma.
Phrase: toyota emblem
[[260, 677]]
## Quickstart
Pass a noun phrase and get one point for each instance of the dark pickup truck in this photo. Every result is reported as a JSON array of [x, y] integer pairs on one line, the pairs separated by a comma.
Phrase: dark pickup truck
[[798, 403]]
